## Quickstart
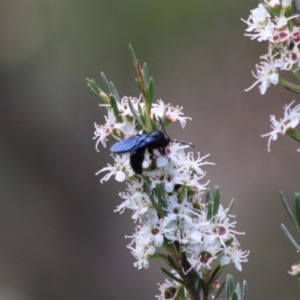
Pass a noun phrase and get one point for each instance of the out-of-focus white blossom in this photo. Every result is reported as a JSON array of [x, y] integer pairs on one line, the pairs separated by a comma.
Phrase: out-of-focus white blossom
[[290, 120], [281, 31], [295, 270], [266, 73]]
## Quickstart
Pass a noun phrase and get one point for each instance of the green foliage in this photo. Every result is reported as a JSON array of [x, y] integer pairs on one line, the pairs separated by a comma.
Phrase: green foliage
[[295, 216], [234, 292]]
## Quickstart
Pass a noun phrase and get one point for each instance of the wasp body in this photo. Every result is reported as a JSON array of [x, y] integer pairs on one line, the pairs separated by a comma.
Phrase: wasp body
[[137, 146]]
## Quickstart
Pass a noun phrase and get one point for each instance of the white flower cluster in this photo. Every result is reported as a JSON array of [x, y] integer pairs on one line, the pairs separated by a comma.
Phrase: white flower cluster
[[283, 35], [166, 200], [290, 120], [126, 128]]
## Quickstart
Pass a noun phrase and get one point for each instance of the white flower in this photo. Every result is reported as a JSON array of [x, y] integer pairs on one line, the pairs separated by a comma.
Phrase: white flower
[[171, 113], [295, 270], [278, 3], [220, 228], [145, 240], [127, 128], [167, 175], [235, 255], [121, 169], [259, 22], [202, 255], [135, 200], [141, 253], [281, 32], [103, 131], [290, 120], [169, 290], [282, 21], [267, 73], [290, 58], [194, 165], [124, 107]]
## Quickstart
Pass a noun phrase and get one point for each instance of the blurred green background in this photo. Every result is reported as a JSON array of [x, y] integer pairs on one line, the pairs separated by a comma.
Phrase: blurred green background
[[60, 238]]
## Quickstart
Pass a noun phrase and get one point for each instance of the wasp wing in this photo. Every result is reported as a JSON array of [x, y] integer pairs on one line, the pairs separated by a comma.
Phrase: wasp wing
[[131, 144]]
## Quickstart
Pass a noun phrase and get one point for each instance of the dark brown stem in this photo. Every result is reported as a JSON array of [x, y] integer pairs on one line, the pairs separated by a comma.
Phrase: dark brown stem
[[206, 281], [182, 268], [187, 277]]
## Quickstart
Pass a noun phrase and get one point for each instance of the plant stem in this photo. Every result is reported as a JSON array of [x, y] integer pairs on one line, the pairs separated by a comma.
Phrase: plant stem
[[206, 275], [297, 74], [289, 84], [182, 267]]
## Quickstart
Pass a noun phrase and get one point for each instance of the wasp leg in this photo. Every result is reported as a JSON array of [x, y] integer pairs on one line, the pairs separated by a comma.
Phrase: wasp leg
[[162, 151], [136, 160], [150, 150]]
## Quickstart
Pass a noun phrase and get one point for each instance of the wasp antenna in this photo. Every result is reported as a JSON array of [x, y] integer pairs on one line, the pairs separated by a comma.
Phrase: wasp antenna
[[184, 143]]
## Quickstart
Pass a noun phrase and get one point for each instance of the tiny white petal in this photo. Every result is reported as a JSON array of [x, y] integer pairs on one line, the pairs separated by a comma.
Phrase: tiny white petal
[[158, 240], [151, 250], [196, 237], [169, 187], [225, 260], [161, 161], [120, 176], [238, 265], [145, 164]]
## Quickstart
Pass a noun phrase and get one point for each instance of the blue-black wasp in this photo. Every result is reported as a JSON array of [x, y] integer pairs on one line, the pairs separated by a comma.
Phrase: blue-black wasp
[[137, 145]]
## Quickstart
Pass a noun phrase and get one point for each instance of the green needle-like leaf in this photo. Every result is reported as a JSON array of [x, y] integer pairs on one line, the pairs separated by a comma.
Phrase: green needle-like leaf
[[146, 74], [208, 196], [172, 263], [238, 291], [216, 201], [293, 134], [138, 119], [173, 276], [94, 87], [150, 92], [160, 193], [215, 274], [132, 55], [139, 85], [234, 296], [209, 214], [142, 115], [160, 256], [229, 286], [289, 236], [115, 92], [287, 207], [229, 241], [114, 106], [106, 84], [245, 290], [229, 207], [297, 210]]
